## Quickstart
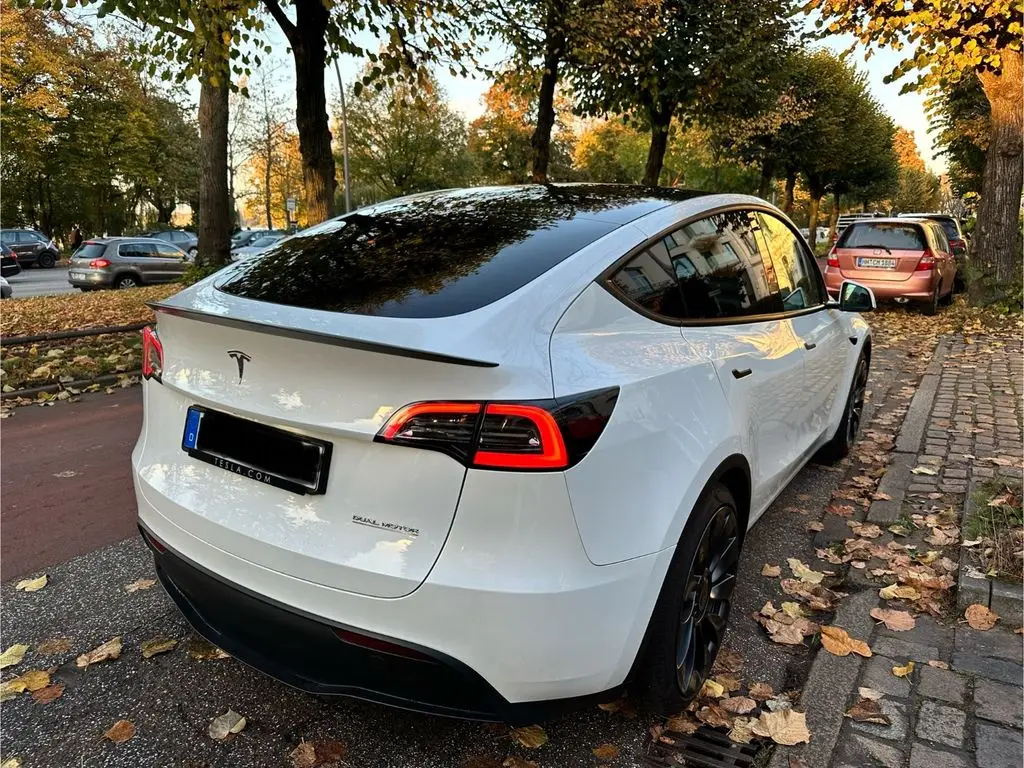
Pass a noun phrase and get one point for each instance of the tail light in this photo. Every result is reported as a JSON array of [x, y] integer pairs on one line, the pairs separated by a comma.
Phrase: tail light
[[927, 262], [534, 435], [99, 263], [152, 354], [833, 260]]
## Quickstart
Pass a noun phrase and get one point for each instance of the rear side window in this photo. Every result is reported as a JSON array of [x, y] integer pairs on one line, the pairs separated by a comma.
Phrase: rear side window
[[434, 256], [167, 250], [91, 251], [718, 264], [891, 235]]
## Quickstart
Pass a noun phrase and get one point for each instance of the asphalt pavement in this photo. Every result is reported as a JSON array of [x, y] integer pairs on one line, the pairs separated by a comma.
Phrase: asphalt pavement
[[171, 698], [40, 282]]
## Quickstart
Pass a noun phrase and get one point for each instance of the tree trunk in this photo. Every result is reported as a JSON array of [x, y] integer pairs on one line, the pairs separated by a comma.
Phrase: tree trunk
[[996, 252], [309, 48], [214, 203], [812, 219], [767, 174], [833, 220], [554, 50], [787, 205], [661, 119]]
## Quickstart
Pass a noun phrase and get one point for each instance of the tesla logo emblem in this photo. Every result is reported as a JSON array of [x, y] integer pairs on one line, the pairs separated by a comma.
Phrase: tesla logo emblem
[[241, 358]]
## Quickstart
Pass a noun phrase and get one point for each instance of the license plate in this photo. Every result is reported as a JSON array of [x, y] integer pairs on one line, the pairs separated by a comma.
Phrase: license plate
[[871, 263], [259, 452], [76, 275]]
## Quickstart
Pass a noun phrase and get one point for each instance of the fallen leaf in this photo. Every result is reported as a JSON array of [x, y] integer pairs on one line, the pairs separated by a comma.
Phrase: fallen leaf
[[980, 617], [54, 646], [802, 572], [842, 510], [971, 543], [728, 660], [938, 664], [120, 732], [109, 650], [222, 725], [623, 706], [49, 693], [738, 705], [157, 645], [13, 655], [135, 586], [942, 537], [742, 730], [898, 591], [870, 693], [868, 711], [530, 736], [304, 755], [514, 761], [682, 723], [836, 641], [11, 762], [924, 471], [903, 671], [784, 634], [729, 682], [797, 762], [201, 649], [32, 585], [771, 570], [714, 716], [898, 621], [35, 679], [815, 525], [793, 610], [606, 752], [11, 689], [899, 530], [786, 727], [761, 691], [711, 690]]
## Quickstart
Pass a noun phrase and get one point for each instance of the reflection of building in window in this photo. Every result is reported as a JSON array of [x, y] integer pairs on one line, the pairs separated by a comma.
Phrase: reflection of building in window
[[640, 281]]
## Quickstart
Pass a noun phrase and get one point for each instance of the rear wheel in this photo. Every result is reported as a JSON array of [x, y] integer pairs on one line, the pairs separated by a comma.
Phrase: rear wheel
[[126, 281], [846, 435], [933, 304], [692, 610], [46, 260]]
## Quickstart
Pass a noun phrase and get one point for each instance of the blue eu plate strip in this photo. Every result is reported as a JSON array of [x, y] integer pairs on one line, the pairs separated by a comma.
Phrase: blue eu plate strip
[[192, 427]]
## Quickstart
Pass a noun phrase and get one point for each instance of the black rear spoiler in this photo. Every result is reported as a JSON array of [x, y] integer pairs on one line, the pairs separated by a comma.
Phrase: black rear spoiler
[[317, 337]]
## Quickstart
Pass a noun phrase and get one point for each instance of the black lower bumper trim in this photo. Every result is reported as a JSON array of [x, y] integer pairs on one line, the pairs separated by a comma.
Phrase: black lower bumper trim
[[306, 653]]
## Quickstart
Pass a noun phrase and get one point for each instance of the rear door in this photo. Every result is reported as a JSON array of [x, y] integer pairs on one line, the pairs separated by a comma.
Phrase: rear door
[[733, 311], [881, 250], [135, 256], [802, 290], [168, 263]]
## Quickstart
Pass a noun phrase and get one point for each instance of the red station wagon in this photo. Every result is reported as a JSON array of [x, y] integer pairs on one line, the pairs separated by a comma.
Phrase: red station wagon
[[901, 260]]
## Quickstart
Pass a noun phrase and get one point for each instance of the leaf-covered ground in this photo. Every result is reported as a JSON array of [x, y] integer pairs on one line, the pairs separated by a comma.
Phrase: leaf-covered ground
[[97, 309], [72, 361]]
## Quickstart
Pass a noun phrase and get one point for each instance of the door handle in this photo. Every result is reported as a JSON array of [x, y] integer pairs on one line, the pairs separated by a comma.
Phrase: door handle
[[809, 345], [740, 374]]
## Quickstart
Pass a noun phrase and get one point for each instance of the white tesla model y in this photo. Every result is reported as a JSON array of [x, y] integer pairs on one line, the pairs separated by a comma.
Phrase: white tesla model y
[[489, 452]]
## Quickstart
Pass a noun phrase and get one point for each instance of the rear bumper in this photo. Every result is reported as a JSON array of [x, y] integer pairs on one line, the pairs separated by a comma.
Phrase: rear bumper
[[92, 278], [917, 287]]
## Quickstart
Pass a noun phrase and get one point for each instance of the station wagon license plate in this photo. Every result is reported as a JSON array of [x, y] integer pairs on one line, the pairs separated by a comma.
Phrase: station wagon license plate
[[872, 263], [76, 275], [262, 453]]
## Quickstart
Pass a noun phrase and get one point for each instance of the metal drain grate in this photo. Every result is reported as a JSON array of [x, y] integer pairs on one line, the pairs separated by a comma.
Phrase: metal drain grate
[[704, 749]]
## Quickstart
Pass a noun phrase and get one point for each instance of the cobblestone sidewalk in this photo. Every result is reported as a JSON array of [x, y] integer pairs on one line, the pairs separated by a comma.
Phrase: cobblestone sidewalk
[[961, 706]]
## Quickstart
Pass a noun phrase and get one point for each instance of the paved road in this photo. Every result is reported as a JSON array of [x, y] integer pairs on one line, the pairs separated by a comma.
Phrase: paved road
[[66, 483], [41, 282]]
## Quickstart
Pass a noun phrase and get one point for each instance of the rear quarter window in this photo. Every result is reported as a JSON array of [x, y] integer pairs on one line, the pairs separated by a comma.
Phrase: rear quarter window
[[894, 236]]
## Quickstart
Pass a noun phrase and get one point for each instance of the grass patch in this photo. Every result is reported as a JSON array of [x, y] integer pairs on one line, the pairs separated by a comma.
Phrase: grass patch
[[97, 309], [997, 518]]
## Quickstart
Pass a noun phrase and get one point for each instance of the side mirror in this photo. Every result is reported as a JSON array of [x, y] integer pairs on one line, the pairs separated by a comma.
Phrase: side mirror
[[854, 297]]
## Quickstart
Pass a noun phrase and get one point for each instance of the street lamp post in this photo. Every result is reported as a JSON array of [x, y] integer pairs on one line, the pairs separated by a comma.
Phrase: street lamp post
[[344, 136]]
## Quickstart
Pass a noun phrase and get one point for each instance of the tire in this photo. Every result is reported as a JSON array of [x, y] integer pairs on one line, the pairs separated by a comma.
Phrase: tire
[[690, 616], [126, 281], [46, 260], [842, 441], [932, 307]]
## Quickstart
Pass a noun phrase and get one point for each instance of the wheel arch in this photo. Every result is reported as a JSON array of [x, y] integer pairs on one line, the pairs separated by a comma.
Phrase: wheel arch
[[126, 273]]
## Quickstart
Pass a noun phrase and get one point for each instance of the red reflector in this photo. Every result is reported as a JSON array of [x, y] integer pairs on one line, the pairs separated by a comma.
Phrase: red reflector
[[153, 542], [152, 354], [403, 416], [99, 263], [376, 644], [926, 263], [550, 452]]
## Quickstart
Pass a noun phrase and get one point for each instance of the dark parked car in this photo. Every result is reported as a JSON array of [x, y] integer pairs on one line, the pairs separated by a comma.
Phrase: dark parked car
[[9, 265], [187, 241], [125, 262], [246, 236], [31, 247]]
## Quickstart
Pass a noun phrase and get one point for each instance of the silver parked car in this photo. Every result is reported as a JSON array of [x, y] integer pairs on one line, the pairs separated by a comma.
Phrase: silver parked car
[[125, 262]]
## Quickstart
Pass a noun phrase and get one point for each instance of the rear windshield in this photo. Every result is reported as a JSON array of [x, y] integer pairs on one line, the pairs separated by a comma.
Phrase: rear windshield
[[431, 256], [91, 251], [949, 226], [891, 235]]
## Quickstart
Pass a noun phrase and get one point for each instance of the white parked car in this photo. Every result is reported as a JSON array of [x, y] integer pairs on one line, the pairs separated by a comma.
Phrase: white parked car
[[485, 452], [257, 246]]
